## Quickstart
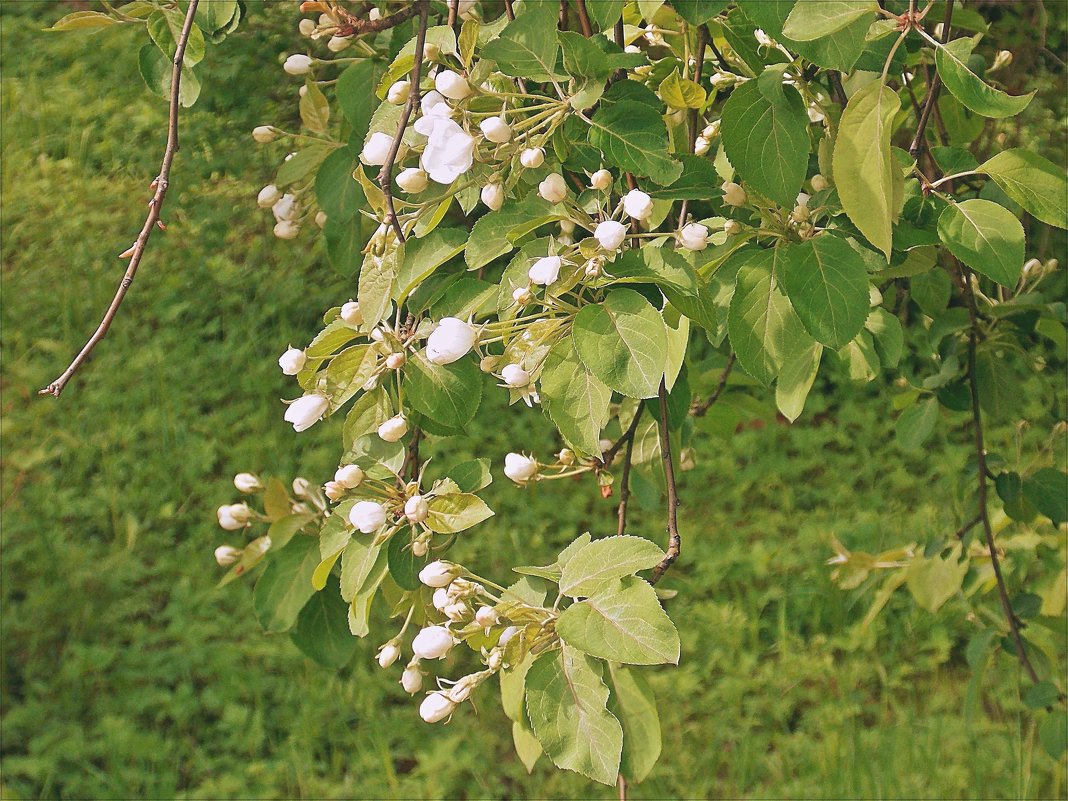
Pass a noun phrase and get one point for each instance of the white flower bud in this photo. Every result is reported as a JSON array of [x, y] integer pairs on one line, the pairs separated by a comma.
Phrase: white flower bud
[[320, 219], [601, 180], [733, 194], [376, 149], [287, 207], [532, 157], [702, 145], [394, 428], [264, 134], [545, 270], [411, 679], [763, 39], [819, 183], [226, 555], [351, 314], [688, 459], [493, 196], [306, 411], [298, 64], [694, 237], [553, 188], [398, 93], [450, 341], [435, 707], [350, 476], [439, 573], [452, 85], [495, 659], [378, 335], [302, 488], [800, 213], [732, 227], [507, 635], [719, 79], [637, 204], [456, 612], [610, 234], [286, 229], [268, 196], [567, 227], [247, 483], [412, 180], [334, 490], [292, 361], [441, 598], [367, 516], [338, 43], [234, 516], [396, 361], [374, 14], [605, 445], [389, 654], [515, 376], [416, 509], [300, 93], [306, 27], [1002, 59], [520, 468], [522, 295], [495, 129], [433, 642], [486, 616], [420, 548]]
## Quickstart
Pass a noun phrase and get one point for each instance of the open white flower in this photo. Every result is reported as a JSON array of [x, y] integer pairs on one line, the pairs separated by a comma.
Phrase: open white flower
[[545, 270], [450, 341], [449, 151], [610, 234], [433, 105], [520, 468]]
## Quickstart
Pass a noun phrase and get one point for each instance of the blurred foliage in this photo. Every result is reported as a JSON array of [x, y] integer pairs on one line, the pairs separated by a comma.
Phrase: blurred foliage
[[126, 674]]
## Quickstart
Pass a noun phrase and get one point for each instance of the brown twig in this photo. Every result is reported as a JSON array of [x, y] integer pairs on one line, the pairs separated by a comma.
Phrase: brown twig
[[354, 26], [411, 460], [700, 409], [933, 86], [980, 455], [609, 455], [837, 90], [674, 539], [508, 10], [454, 10], [584, 18], [964, 529], [624, 481], [385, 175], [155, 207]]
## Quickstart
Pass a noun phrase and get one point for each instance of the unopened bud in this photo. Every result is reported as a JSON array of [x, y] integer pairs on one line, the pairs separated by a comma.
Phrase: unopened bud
[[439, 573], [412, 679], [226, 555], [388, 655], [395, 361], [566, 457], [486, 616], [264, 134], [247, 483]]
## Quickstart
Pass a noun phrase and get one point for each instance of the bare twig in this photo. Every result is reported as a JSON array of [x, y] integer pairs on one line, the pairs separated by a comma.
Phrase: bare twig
[[411, 460], [674, 540], [624, 481], [964, 529], [933, 86], [980, 456], [385, 175], [508, 10], [609, 455], [354, 26], [835, 77], [584, 18], [155, 206], [454, 9], [701, 408]]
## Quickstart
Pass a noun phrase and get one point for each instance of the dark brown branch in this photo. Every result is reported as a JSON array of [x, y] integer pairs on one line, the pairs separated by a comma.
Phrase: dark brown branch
[[508, 10], [411, 460], [674, 540], [584, 18], [155, 207], [964, 529], [354, 26], [837, 90], [609, 455], [700, 409], [980, 456], [564, 22], [712, 44], [934, 85], [624, 481], [385, 175]]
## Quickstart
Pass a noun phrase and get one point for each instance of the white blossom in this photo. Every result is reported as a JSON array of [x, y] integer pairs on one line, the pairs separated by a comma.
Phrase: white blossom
[[412, 180], [449, 151], [292, 361], [268, 196], [515, 376], [733, 194], [520, 468], [436, 707], [367, 516], [389, 654], [601, 180], [610, 234], [298, 64], [227, 554], [637, 204], [433, 642], [264, 134], [349, 476], [398, 93], [338, 43], [694, 237], [376, 149], [412, 679], [393, 429], [351, 314], [452, 85], [495, 129], [532, 157], [493, 196], [545, 270], [819, 183], [306, 411], [247, 483], [450, 341], [439, 574], [416, 509], [553, 188]]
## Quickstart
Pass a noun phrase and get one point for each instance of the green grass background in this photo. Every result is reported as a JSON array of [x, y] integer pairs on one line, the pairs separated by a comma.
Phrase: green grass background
[[127, 674]]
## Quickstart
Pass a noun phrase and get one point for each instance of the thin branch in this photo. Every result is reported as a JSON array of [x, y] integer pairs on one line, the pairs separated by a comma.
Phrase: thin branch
[[584, 18], [933, 87], [674, 540], [624, 481], [385, 175], [609, 455], [980, 455], [155, 206], [700, 409], [837, 90], [354, 26], [621, 785], [411, 460], [964, 529], [508, 10]]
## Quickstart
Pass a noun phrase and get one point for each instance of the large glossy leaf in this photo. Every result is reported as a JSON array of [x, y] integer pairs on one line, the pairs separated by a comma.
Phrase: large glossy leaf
[[604, 561], [456, 512], [423, 256], [985, 236], [574, 398], [766, 139], [286, 585], [622, 341], [622, 622], [814, 19], [1035, 183], [796, 378], [952, 62], [567, 705], [322, 631], [492, 235], [527, 47], [449, 394], [633, 704], [632, 136], [827, 282], [863, 164]]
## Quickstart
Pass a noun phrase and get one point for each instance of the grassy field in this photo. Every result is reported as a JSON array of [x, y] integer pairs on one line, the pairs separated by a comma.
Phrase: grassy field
[[127, 674]]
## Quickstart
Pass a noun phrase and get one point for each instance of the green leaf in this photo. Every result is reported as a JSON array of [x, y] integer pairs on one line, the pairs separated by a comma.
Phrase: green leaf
[[156, 71], [423, 256], [1041, 695], [827, 282], [314, 109], [863, 165], [491, 235], [1053, 733], [448, 394], [888, 334], [283, 529], [472, 475], [360, 608], [216, 15], [574, 398], [527, 747], [697, 182], [82, 20], [814, 19], [322, 631], [605, 13], [303, 164], [1035, 183], [458, 511], [633, 704], [696, 12], [916, 424], [527, 47], [338, 193], [356, 102], [622, 622], [365, 416], [583, 58], [681, 93], [286, 585], [761, 323], [632, 136], [952, 62], [795, 380], [934, 581], [622, 341], [985, 236], [404, 565], [165, 28], [767, 141], [567, 706], [1047, 490], [377, 276], [605, 561], [357, 565]]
